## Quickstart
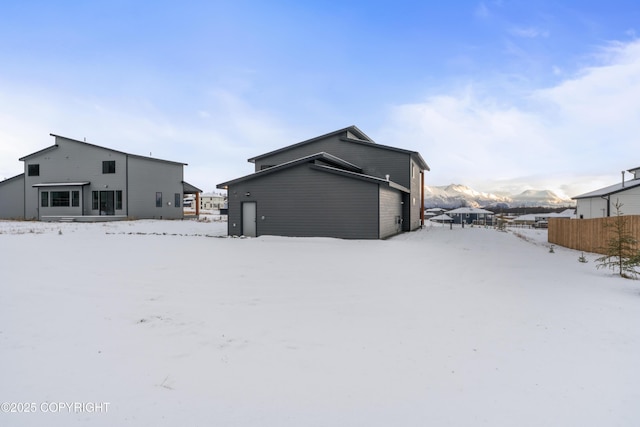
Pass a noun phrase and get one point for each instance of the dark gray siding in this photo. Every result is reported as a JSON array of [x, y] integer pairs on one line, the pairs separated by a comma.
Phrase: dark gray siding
[[390, 211], [12, 198], [374, 160], [415, 201], [305, 202]]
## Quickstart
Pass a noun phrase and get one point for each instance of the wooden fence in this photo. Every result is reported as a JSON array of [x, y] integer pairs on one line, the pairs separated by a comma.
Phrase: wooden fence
[[588, 235]]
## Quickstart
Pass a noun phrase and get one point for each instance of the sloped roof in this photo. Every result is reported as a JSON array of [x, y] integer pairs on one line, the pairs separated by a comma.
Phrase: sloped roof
[[467, 210], [349, 134], [332, 164], [190, 189], [97, 146], [612, 189], [443, 217], [13, 178]]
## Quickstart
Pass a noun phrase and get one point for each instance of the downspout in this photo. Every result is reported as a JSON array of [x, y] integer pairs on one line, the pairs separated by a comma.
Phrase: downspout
[[421, 199], [608, 199], [24, 195], [197, 204], [126, 181]]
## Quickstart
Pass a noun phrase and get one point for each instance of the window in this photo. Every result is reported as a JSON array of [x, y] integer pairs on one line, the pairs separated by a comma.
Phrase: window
[[158, 199], [59, 198], [95, 201], [33, 170], [119, 199], [109, 166], [177, 198], [44, 199], [75, 198]]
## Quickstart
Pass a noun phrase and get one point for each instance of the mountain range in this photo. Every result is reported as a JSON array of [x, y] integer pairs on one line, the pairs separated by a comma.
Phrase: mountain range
[[455, 195]]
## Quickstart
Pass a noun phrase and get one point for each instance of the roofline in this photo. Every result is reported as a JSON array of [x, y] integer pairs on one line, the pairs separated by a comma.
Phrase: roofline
[[354, 129], [595, 193], [104, 148], [20, 175], [51, 147], [191, 190], [318, 156], [364, 140]]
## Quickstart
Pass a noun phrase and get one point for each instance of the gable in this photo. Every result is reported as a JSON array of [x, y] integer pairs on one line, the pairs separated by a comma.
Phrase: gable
[[62, 140], [327, 143], [351, 132]]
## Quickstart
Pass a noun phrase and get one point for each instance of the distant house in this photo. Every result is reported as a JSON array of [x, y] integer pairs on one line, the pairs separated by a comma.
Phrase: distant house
[[541, 220], [467, 215], [601, 203], [341, 184], [442, 218], [75, 180], [431, 212], [212, 201]]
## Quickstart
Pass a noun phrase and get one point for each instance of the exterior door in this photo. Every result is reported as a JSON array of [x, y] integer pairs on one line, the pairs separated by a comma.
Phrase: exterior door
[[249, 219], [107, 206]]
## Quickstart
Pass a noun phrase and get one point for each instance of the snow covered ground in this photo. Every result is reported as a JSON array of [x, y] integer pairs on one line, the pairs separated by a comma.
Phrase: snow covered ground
[[171, 326]]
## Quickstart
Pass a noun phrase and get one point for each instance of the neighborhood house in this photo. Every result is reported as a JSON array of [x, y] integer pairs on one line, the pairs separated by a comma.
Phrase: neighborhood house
[[341, 184], [75, 180], [601, 203]]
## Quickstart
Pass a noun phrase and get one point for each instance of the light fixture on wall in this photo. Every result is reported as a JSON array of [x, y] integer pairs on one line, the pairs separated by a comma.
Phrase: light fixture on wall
[[247, 194]]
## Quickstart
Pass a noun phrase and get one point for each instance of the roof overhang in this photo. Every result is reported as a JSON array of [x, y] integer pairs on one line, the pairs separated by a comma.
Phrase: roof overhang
[[62, 184], [363, 177], [190, 189], [607, 191], [318, 157]]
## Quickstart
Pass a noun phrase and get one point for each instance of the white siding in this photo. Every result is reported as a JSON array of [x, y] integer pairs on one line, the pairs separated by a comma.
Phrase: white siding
[[596, 207], [630, 200]]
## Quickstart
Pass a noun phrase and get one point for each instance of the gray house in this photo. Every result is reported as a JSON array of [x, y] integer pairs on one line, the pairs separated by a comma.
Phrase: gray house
[[341, 184], [468, 215], [75, 180], [601, 203]]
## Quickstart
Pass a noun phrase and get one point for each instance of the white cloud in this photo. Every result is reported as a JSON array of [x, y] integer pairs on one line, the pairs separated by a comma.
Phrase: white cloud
[[529, 32], [569, 138], [215, 139], [482, 11]]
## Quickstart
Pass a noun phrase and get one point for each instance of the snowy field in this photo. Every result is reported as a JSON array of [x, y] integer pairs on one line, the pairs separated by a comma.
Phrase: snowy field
[[163, 324]]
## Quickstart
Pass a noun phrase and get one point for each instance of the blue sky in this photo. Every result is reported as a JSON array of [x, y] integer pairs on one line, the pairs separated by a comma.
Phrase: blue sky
[[497, 95]]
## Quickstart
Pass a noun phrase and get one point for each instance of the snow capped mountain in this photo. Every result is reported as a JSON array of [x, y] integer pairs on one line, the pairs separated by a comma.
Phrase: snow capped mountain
[[456, 195], [540, 195]]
